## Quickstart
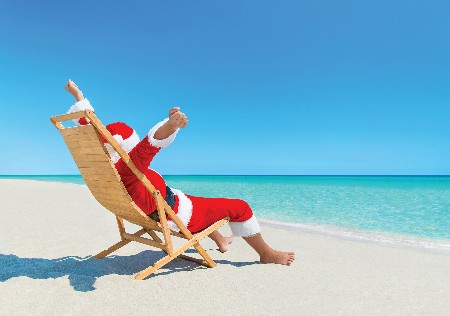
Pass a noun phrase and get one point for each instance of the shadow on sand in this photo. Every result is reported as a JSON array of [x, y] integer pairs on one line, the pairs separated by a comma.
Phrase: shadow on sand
[[83, 272]]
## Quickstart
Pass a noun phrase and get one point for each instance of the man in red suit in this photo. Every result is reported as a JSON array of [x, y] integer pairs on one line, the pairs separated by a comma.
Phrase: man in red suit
[[196, 213]]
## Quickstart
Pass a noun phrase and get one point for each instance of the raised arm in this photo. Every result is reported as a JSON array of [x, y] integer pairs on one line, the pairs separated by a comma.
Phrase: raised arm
[[160, 136], [73, 89], [175, 121], [81, 104]]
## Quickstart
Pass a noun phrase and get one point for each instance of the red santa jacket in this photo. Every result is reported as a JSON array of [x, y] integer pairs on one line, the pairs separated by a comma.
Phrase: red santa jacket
[[142, 155]]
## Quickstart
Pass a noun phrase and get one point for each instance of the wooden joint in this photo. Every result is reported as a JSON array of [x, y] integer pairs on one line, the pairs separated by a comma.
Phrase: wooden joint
[[146, 241]]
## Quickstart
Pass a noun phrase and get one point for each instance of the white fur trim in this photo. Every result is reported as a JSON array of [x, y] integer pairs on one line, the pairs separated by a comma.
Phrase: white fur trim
[[127, 145], [161, 143], [80, 106], [247, 228], [112, 153], [184, 210]]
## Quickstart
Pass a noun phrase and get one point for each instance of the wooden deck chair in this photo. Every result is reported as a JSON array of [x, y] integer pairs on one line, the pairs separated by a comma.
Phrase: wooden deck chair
[[103, 180]]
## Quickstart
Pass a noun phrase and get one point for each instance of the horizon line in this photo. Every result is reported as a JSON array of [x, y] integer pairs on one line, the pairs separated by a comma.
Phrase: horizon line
[[275, 175]]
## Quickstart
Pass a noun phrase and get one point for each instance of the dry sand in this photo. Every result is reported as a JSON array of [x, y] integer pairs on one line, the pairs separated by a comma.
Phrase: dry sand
[[49, 230]]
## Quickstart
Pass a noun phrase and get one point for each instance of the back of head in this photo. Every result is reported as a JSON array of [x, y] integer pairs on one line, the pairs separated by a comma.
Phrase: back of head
[[124, 135]]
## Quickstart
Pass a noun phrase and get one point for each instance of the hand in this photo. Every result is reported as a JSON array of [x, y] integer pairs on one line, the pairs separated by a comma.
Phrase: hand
[[73, 89], [173, 110], [176, 118]]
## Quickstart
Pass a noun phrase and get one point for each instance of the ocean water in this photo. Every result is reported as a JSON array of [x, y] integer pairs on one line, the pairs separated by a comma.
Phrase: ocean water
[[385, 208]]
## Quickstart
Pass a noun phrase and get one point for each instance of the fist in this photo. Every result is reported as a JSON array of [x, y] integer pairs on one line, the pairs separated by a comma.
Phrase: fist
[[176, 118], [72, 87], [173, 110]]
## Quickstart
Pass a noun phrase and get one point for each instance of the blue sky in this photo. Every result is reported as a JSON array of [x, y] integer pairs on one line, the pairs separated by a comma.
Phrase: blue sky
[[285, 87]]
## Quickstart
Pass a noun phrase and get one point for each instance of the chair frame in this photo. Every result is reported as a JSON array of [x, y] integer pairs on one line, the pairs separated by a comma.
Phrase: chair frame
[[148, 225]]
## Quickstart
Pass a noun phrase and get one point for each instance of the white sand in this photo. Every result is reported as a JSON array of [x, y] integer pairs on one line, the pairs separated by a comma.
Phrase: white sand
[[48, 231]]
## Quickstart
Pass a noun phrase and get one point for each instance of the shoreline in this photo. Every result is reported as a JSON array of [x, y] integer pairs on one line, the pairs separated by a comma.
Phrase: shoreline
[[401, 241], [388, 239]]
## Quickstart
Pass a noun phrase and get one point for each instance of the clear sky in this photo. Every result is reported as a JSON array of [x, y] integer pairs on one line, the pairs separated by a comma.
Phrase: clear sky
[[269, 87]]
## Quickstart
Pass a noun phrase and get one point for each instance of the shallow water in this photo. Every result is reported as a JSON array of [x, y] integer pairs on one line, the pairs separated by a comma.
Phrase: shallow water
[[408, 205]]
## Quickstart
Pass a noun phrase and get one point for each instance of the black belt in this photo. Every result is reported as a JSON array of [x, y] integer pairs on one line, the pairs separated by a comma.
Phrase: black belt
[[170, 199]]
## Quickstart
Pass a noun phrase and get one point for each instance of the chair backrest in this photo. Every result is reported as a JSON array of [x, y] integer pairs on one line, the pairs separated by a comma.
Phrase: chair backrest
[[100, 174]]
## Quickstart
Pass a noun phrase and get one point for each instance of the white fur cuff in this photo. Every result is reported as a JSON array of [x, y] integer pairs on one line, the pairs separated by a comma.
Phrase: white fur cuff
[[247, 228], [184, 210], [161, 143], [80, 106]]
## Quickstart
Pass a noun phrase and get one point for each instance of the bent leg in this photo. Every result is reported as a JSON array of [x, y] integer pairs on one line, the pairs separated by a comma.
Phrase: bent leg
[[206, 211], [243, 223], [221, 241], [266, 253]]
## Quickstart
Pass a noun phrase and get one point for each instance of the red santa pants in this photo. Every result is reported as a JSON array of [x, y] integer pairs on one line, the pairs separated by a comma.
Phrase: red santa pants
[[198, 213], [207, 211]]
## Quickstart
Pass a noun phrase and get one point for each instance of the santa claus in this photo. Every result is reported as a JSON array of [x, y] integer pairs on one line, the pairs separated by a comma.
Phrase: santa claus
[[196, 213]]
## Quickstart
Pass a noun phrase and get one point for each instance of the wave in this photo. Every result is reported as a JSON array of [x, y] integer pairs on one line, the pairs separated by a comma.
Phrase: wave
[[383, 238]]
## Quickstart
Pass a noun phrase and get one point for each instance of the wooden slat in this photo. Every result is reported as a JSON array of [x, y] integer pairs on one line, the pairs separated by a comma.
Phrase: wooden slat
[[104, 186], [163, 221], [154, 235], [126, 212], [120, 226], [68, 117], [80, 137], [133, 220], [151, 224], [110, 194], [199, 261], [81, 157], [123, 200], [145, 241], [115, 204], [98, 172], [94, 178], [111, 249], [173, 216], [177, 234], [58, 125], [97, 150], [79, 130], [93, 164], [82, 144], [118, 245], [118, 206], [131, 217]]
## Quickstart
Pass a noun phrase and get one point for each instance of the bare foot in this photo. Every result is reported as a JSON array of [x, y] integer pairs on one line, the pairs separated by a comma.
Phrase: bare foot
[[278, 257], [223, 243]]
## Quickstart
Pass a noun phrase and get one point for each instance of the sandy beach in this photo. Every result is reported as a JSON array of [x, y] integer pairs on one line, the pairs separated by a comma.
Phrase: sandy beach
[[49, 231]]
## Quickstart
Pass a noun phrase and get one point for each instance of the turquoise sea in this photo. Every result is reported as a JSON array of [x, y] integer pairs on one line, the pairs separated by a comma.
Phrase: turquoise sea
[[366, 207]]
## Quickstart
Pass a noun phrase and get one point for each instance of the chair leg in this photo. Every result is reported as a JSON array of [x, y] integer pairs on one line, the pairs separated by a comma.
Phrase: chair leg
[[209, 261], [154, 235], [199, 261], [194, 241], [163, 261], [111, 249], [118, 245], [158, 264]]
